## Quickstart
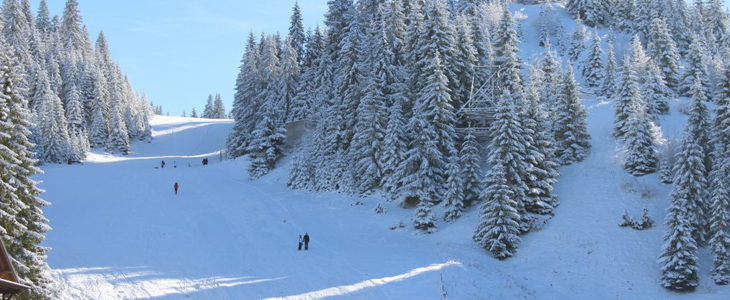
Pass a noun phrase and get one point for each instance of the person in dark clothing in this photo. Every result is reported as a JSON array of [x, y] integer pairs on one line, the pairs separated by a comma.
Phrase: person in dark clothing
[[162, 164], [176, 186], [300, 243], [306, 241]]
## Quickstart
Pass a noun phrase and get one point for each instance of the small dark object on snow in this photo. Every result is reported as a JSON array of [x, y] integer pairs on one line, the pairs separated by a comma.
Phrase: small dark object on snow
[[176, 187], [163, 164], [300, 243], [205, 161], [306, 241]]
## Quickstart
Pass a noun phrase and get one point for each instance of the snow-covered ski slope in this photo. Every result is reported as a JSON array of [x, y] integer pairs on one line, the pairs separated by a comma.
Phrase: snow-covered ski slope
[[119, 232]]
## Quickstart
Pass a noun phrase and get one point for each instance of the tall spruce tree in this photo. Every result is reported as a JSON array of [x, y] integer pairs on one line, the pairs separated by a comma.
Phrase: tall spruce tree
[[641, 156], [663, 50], [471, 170], [628, 95], [22, 222], [498, 230], [571, 129], [593, 72]]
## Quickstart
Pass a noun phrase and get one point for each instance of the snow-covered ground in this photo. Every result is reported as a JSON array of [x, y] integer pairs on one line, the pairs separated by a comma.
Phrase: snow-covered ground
[[119, 232]]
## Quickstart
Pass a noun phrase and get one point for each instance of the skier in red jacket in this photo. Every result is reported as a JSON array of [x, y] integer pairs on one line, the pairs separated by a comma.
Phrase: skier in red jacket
[[176, 186]]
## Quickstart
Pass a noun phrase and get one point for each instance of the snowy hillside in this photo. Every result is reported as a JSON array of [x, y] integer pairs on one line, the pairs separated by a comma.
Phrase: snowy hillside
[[119, 232]]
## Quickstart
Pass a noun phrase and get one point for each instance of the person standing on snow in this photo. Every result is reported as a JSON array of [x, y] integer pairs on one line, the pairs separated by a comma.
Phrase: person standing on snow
[[176, 186], [306, 241], [300, 243], [163, 164]]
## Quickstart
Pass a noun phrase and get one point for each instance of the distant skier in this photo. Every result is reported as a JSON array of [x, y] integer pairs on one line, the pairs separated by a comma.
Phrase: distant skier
[[162, 164], [174, 164], [300, 242], [306, 241], [176, 187]]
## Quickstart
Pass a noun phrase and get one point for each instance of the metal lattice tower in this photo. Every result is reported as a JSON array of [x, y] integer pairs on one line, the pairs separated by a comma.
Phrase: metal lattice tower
[[476, 114]]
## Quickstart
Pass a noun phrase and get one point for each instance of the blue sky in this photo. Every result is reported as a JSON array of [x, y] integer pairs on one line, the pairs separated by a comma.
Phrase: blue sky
[[179, 51]]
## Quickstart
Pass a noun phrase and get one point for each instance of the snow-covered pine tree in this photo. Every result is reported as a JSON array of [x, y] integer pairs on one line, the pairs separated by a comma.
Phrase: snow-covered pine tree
[[588, 10], [208, 111], [665, 171], [541, 153], [654, 92], [439, 34], [628, 95], [577, 41], [719, 229], [432, 131], [506, 61], [424, 219], [54, 128], [288, 82], [571, 129], [722, 108], [300, 172], [699, 124], [471, 170], [244, 101], [663, 51], [219, 110], [609, 80], [499, 228], [118, 135], [267, 143], [678, 259], [296, 33], [550, 74], [690, 183], [454, 195], [75, 116], [465, 60], [696, 68], [372, 117], [593, 71], [22, 222], [393, 150], [193, 113], [641, 157], [509, 147]]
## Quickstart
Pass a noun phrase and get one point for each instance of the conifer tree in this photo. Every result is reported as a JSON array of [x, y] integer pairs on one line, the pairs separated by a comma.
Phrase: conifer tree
[[21, 219], [655, 92], [697, 68], [505, 56], [628, 95], [690, 183], [577, 41], [53, 127], [719, 229], [209, 108], [219, 110], [118, 135], [300, 173], [665, 171], [296, 33], [288, 82], [609, 79], [541, 154], [394, 149], [679, 253], [571, 132], [593, 72], [193, 113], [699, 124], [471, 170], [641, 156], [498, 230], [266, 147], [663, 51], [454, 195], [424, 219]]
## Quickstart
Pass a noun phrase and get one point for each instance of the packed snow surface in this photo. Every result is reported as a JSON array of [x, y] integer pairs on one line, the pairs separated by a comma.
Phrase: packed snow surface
[[119, 232]]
